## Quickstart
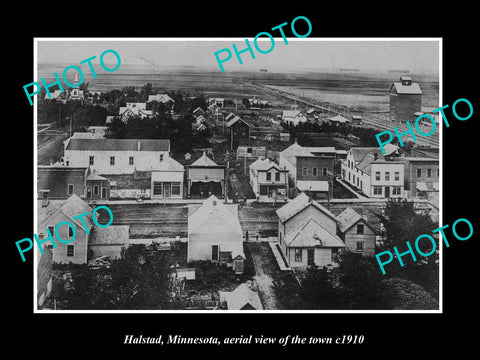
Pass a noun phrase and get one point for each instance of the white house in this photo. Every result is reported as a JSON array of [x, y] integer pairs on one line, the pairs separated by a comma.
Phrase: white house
[[268, 180], [161, 98], [293, 117], [167, 180], [214, 233], [367, 170], [308, 233], [134, 109], [117, 156]]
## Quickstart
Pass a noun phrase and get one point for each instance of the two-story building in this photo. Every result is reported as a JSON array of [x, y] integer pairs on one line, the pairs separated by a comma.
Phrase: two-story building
[[268, 180], [134, 109], [422, 176], [205, 178], [238, 129], [405, 99], [367, 170], [357, 234], [308, 233]]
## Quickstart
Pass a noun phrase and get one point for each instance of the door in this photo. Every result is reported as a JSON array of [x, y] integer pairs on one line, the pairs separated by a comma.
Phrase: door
[[310, 256], [89, 192], [214, 252], [104, 193], [387, 191], [168, 190]]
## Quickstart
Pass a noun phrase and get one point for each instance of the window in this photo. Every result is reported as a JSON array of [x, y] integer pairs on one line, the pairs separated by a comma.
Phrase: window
[[360, 229], [348, 176], [70, 250], [112, 160], [305, 171], [269, 176], [438, 172], [161, 157], [358, 180], [130, 160], [70, 189], [377, 190], [70, 232], [429, 172], [51, 229], [397, 176], [157, 188], [95, 190], [387, 176], [419, 172], [91, 160], [360, 246], [176, 188], [354, 179], [334, 254], [263, 190], [249, 150], [397, 190], [314, 171], [277, 176], [298, 254], [377, 175], [349, 164], [325, 171]]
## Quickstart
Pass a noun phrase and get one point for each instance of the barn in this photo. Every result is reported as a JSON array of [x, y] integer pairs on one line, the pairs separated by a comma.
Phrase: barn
[[405, 99]]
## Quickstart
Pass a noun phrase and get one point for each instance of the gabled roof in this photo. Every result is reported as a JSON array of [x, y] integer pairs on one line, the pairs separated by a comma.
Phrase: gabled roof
[[118, 144], [230, 116], [71, 208], [359, 153], [365, 163], [339, 118], [236, 119], [413, 89], [213, 207], [312, 185], [312, 234], [265, 165], [293, 151], [321, 149], [169, 164], [94, 176], [240, 297], [349, 217], [301, 202], [198, 109], [160, 98], [204, 160]]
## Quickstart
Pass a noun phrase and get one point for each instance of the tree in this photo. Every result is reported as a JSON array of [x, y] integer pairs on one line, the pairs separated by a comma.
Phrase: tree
[[361, 279], [319, 292], [246, 103], [145, 92], [403, 294]]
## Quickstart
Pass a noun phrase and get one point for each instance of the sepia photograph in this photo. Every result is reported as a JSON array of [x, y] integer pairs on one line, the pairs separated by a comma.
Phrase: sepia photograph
[[209, 175]]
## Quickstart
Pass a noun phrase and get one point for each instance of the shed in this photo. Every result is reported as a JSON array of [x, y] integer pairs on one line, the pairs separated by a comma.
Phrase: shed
[[242, 298]]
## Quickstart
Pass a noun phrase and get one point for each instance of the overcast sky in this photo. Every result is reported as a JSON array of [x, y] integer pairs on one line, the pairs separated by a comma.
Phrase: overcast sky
[[417, 56]]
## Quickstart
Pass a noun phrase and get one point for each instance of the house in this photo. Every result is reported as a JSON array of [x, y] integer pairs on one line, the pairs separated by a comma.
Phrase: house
[[56, 212], [56, 95], [60, 182], [242, 298], [254, 152], [117, 156], [161, 98], [293, 117], [216, 103], [75, 93], [238, 130], [405, 99], [310, 169], [338, 120], [97, 187], [269, 181], [356, 233], [215, 234], [257, 103], [369, 171], [44, 276], [356, 120], [98, 132], [200, 119], [422, 176], [134, 109], [284, 136], [205, 178], [109, 241], [167, 180], [229, 117], [308, 233]]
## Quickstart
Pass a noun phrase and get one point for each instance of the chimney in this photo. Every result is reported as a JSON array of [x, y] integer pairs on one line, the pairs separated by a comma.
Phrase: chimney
[[138, 145], [375, 157]]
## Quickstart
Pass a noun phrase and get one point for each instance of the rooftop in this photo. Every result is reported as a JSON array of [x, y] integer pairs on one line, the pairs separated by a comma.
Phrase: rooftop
[[118, 144], [312, 234], [296, 205]]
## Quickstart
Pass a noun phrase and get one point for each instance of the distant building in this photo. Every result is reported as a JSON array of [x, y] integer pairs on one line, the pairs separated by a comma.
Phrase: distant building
[[293, 117], [109, 241], [269, 181], [216, 103], [405, 99], [134, 109], [242, 298], [356, 120], [238, 130], [198, 111], [60, 182], [161, 98], [422, 176], [338, 120], [205, 178], [251, 152], [215, 234]]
